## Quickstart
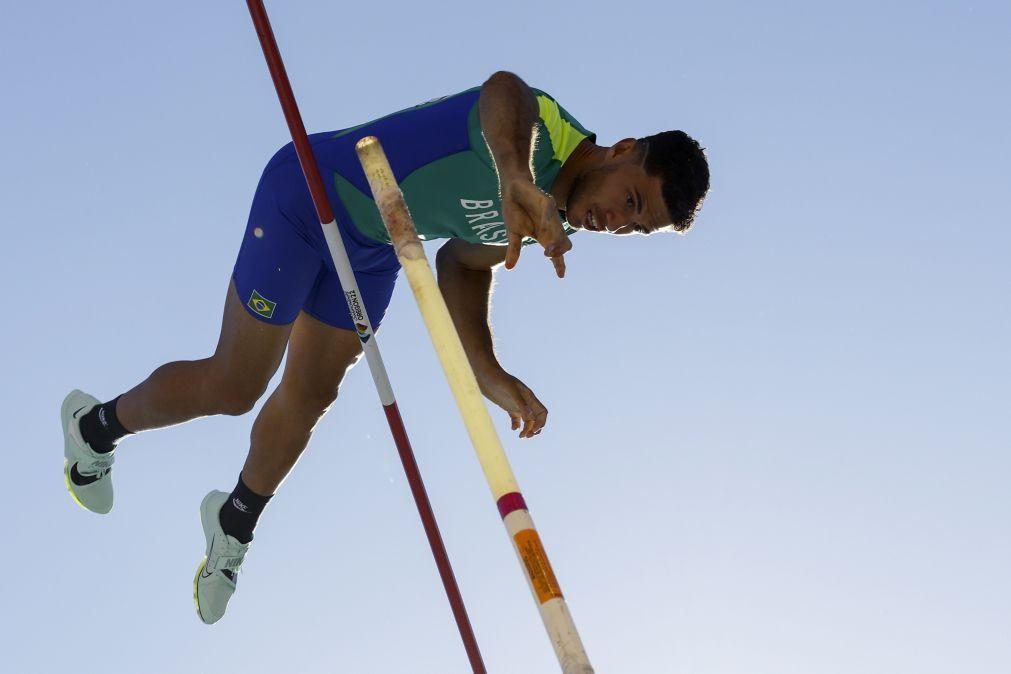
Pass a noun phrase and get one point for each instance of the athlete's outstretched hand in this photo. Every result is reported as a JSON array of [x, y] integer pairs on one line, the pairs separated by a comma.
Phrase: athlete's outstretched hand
[[529, 211], [527, 413]]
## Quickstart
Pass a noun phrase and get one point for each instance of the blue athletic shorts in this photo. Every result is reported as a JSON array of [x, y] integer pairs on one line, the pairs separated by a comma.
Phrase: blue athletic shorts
[[284, 265]]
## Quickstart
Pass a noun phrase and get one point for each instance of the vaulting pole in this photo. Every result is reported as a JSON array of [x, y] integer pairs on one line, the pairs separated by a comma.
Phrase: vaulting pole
[[548, 595]]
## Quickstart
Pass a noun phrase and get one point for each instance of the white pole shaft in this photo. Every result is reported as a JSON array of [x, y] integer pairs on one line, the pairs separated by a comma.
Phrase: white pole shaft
[[360, 316]]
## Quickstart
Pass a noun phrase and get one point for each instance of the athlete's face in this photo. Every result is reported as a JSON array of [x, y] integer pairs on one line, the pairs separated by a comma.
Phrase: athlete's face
[[617, 196]]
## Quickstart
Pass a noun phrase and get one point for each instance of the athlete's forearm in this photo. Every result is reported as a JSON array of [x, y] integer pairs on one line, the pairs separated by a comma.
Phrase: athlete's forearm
[[467, 292], [508, 110]]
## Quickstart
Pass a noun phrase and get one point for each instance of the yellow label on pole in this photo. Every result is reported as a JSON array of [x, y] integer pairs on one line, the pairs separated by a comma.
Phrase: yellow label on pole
[[542, 578]]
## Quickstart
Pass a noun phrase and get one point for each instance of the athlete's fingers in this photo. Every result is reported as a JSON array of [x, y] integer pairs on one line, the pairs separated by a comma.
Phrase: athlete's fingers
[[559, 263], [534, 424], [528, 424], [558, 243], [513, 249], [550, 231], [536, 414], [528, 428], [541, 418]]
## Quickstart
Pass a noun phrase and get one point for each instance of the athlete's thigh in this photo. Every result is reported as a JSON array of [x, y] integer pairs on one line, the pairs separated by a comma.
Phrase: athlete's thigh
[[274, 272], [325, 341], [249, 350], [318, 357]]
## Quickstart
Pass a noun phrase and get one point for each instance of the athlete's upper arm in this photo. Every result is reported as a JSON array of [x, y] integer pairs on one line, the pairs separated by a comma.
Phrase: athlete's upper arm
[[476, 256]]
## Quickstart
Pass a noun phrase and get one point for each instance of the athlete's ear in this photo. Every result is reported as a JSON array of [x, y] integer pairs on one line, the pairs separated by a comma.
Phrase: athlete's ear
[[622, 148]]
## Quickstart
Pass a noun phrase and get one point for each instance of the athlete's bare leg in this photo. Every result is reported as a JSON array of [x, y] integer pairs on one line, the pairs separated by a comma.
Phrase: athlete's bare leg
[[248, 354], [229, 382], [318, 357]]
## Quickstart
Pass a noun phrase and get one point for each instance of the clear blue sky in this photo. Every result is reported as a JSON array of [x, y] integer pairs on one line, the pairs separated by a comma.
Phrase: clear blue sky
[[793, 458]]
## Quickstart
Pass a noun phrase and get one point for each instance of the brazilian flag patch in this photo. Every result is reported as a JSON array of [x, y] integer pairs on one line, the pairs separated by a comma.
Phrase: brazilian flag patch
[[261, 305]]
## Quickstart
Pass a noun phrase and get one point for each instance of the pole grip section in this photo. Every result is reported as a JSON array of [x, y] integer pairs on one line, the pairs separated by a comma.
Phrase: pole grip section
[[389, 199]]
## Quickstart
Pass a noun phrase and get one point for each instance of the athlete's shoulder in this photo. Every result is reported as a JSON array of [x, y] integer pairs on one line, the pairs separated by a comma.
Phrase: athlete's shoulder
[[557, 119]]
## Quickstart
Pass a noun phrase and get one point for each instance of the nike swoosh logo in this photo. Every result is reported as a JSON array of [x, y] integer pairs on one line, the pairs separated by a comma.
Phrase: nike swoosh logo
[[78, 410], [205, 573], [82, 480], [225, 572]]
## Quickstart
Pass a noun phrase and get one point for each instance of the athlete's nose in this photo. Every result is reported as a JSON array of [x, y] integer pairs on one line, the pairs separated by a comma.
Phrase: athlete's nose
[[608, 219], [612, 222]]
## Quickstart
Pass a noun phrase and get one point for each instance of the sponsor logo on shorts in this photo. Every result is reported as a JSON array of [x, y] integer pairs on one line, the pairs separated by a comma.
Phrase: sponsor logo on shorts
[[261, 305]]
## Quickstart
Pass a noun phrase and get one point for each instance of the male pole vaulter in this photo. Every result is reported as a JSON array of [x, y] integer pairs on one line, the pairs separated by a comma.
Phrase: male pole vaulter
[[486, 169]]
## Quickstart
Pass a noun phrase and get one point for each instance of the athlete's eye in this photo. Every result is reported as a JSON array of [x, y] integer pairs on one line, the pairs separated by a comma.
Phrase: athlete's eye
[[629, 201]]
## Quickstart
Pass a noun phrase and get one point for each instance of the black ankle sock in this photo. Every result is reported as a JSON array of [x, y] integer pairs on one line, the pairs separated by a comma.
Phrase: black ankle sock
[[101, 429], [241, 511]]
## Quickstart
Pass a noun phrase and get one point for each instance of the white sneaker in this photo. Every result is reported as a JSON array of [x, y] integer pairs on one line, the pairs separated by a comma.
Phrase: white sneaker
[[87, 473], [217, 574]]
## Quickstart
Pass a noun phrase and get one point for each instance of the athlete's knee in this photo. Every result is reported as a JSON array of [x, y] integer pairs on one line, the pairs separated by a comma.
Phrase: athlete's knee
[[318, 398], [235, 396], [235, 406], [313, 397]]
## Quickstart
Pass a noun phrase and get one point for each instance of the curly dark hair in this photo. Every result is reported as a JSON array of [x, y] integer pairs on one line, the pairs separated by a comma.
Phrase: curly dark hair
[[681, 164]]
